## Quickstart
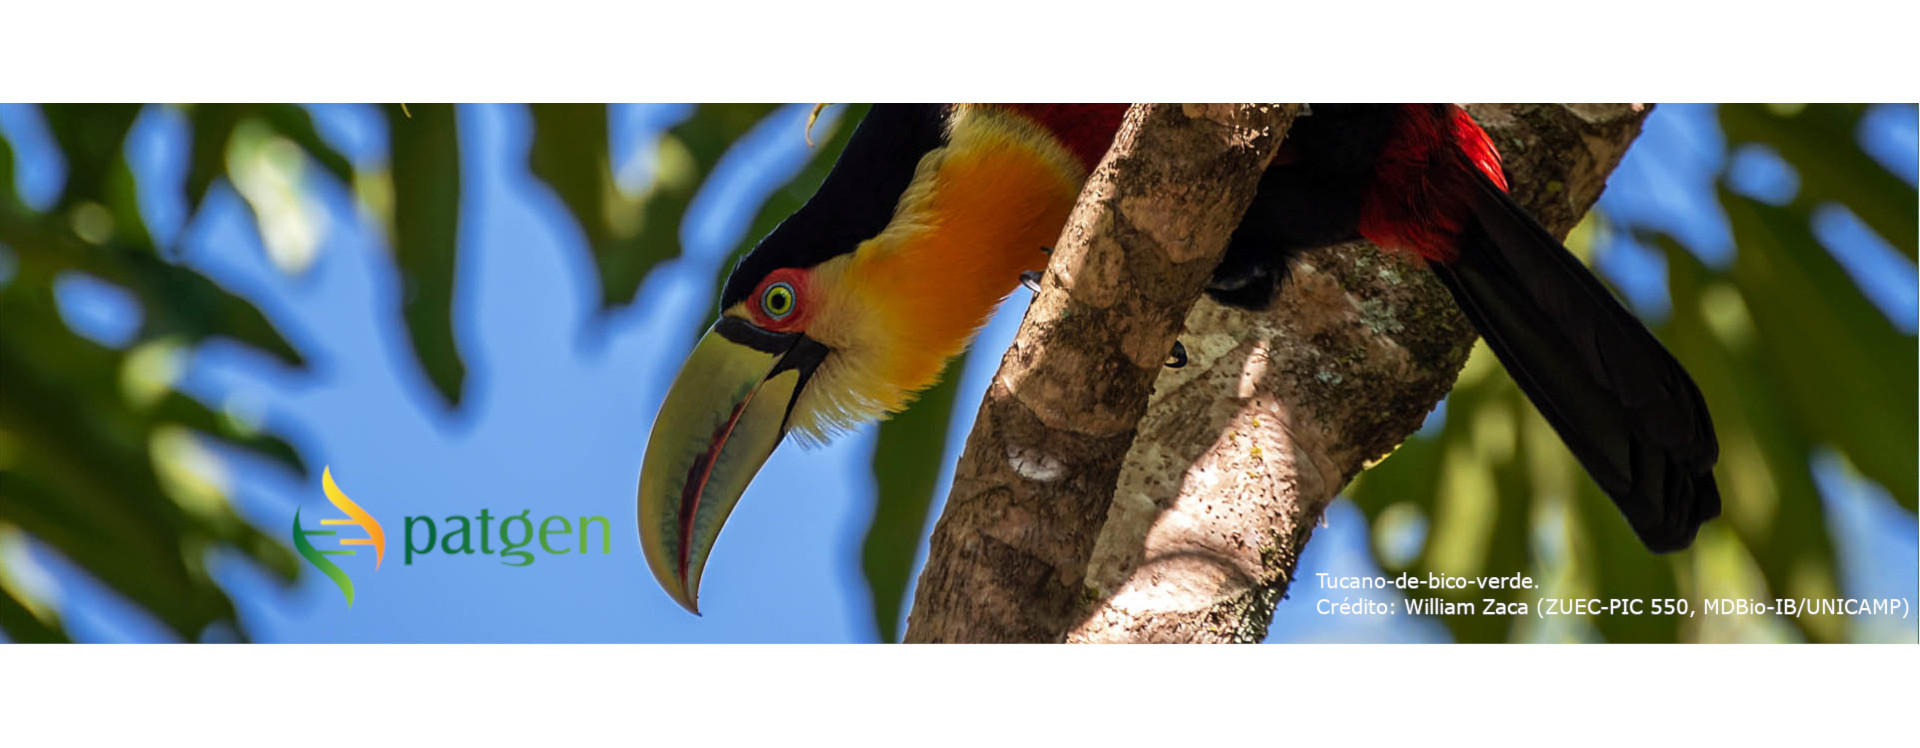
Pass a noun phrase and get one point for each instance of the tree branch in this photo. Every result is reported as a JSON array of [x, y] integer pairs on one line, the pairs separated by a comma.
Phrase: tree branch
[[1033, 483], [1240, 452]]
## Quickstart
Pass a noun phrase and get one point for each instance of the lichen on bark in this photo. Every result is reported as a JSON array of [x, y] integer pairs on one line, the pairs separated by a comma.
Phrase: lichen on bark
[[1182, 518], [1010, 550]]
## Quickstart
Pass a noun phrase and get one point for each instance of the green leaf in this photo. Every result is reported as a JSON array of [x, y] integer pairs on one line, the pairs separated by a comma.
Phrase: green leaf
[[136, 565], [426, 221], [10, 207], [175, 300], [123, 203], [90, 136], [212, 126], [1769, 498], [1612, 565], [91, 464], [22, 627], [1844, 371], [197, 308], [1469, 481], [630, 236], [1821, 142], [686, 156], [176, 408], [571, 153], [1482, 508], [81, 480], [8, 198], [906, 467], [296, 124]]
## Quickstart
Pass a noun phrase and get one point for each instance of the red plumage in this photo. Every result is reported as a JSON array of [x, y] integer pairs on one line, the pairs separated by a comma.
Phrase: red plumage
[[1417, 199], [1477, 145], [1085, 129], [1423, 178]]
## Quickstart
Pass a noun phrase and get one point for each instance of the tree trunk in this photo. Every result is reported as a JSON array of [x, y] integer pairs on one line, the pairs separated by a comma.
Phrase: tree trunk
[[1034, 480], [1048, 536]]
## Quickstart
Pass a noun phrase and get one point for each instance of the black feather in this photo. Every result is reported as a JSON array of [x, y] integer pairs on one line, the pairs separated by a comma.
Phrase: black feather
[[1309, 198], [854, 203], [1623, 405]]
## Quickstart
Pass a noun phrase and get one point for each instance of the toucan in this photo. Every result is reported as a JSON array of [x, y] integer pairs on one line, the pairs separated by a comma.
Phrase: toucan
[[933, 212]]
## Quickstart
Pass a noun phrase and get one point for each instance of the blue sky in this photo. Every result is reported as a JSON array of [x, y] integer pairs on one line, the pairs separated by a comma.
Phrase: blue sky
[[560, 399]]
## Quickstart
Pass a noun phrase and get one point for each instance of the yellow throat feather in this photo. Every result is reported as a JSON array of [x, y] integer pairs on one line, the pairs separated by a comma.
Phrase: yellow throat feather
[[978, 212]]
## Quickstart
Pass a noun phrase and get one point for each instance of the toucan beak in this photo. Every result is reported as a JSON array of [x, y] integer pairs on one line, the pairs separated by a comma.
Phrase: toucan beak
[[725, 413]]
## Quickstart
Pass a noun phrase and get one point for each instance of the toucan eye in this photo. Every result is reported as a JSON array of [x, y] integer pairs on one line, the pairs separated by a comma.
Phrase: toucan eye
[[777, 301]]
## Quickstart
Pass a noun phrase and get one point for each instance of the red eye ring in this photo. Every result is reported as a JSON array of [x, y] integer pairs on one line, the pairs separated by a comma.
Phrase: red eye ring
[[779, 303]]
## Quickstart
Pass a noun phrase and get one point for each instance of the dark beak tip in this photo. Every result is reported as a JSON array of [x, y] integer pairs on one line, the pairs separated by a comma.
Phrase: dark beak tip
[[745, 380], [689, 601]]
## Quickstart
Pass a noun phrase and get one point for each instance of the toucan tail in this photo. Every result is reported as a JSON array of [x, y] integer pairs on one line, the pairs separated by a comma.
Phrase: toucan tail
[[1618, 399]]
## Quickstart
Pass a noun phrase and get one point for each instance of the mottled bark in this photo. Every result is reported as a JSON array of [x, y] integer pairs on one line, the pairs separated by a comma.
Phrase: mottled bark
[[1010, 553], [1240, 452]]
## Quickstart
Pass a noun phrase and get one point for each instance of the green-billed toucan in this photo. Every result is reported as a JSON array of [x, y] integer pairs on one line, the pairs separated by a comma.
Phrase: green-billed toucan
[[933, 212]]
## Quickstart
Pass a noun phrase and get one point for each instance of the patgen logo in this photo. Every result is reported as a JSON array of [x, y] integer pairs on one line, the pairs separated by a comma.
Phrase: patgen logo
[[375, 535], [519, 537]]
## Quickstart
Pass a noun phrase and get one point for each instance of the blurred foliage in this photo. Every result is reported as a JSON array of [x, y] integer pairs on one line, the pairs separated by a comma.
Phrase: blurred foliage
[[104, 462], [629, 236], [1791, 357], [100, 459], [906, 469], [424, 228]]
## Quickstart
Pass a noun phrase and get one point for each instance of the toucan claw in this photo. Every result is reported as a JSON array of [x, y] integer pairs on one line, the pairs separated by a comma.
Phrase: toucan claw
[[1031, 279]]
